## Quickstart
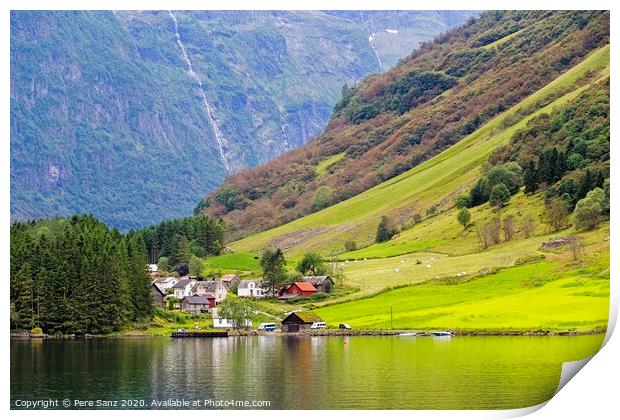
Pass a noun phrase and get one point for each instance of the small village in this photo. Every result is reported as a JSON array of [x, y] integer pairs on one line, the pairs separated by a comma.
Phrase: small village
[[197, 296]]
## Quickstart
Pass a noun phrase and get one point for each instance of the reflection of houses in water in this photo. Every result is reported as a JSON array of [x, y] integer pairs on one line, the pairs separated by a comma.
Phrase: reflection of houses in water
[[187, 368], [215, 368]]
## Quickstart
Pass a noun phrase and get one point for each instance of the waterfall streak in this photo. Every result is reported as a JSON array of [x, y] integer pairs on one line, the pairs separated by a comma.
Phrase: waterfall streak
[[219, 137]]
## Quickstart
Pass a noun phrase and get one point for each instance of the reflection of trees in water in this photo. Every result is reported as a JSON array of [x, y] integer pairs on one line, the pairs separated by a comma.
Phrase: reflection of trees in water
[[301, 372]]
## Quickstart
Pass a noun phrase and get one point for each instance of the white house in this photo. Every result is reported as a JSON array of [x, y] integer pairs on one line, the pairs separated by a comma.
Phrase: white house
[[164, 284], [183, 287], [226, 323], [252, 289]]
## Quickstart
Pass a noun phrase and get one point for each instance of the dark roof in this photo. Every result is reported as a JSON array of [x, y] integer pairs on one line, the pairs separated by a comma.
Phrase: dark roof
[[301, 317], [181, 283], [197, 300], [305, 286], [317, 280]]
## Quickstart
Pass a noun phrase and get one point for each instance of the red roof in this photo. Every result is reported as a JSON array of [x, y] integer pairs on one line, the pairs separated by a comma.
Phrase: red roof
[[304, 286]]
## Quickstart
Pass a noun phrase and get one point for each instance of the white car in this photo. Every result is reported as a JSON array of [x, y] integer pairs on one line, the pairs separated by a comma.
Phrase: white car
[[317, 325]]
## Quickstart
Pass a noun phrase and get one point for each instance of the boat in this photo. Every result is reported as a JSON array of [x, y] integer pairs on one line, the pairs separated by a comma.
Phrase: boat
[[442, 333], [408, 334]]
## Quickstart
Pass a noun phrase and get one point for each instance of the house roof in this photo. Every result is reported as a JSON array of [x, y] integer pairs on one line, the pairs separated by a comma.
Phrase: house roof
[[243, 284], [317, 280], [161, 280], [305, 286], [158, 289], [208, 285], [197, 300], [305, 317], [229, 277], [182, 283]]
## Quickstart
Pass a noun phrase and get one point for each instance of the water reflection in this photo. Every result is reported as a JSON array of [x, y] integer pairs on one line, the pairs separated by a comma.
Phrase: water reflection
[[301, 372]]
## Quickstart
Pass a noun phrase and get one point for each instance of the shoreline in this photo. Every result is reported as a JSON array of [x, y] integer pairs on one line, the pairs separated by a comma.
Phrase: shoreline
[[333, 333]]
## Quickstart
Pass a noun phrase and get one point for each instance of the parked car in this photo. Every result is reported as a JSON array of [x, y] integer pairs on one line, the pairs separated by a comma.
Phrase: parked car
[[344, 326], [317, 325], [267, 326], [181, 329]]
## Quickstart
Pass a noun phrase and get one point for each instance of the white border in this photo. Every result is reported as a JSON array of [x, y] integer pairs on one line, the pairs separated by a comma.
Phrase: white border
[[593, 393]]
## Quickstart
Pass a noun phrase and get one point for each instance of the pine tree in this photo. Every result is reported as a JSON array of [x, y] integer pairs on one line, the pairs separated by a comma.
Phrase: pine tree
[[530, 178], [25, 293], [140, 284], [273, 264]]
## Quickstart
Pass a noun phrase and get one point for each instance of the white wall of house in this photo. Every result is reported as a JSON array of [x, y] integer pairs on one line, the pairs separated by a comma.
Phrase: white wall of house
[[252, 290], [226, 323], [186, 291], [221, 291]]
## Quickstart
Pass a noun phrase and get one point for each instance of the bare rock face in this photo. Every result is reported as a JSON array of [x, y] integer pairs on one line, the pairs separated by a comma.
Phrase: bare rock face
[[133, 116]]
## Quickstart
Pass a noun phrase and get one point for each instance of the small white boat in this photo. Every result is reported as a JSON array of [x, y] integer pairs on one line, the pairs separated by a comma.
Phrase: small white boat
[[442, 333], [408, 334]]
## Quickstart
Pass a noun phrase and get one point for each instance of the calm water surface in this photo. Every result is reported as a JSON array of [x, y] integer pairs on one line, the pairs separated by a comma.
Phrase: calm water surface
[[301, 372]]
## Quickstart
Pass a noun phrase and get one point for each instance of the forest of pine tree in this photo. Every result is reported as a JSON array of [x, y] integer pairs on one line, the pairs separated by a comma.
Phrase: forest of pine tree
[[77, 276], [179, 239]]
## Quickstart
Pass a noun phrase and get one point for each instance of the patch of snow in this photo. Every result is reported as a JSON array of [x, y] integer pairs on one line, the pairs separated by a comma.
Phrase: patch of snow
[[391, 31], [53, 173]]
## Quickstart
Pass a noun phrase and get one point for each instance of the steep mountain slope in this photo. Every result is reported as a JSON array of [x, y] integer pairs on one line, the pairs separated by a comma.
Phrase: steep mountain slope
[[132, 116], [432, 184], [435, 273], [391, 122]]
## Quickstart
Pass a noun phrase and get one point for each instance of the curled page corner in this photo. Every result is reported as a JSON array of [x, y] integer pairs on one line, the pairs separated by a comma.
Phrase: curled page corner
[[570, 369]]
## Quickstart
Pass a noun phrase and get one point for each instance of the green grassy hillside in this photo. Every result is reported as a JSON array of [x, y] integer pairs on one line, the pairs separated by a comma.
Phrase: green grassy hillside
[[525, 298], [434, 182], [434, 274]]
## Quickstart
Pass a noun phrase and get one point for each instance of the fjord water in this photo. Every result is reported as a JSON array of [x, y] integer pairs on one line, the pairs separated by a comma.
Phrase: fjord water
[[301, 372]]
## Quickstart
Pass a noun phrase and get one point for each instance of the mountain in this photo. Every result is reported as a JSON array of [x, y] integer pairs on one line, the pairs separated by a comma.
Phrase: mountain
[[573, 109], [133, 116], [520, 263], [392, 122]]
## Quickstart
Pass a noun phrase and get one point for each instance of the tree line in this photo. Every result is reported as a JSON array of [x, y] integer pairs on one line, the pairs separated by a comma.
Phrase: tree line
[[77, 276], [175, 244]]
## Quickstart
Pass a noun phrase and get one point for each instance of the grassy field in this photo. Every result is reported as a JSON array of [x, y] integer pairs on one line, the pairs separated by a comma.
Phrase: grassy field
[[534, 297], [448, 236], [434, 182], [324, 165], [237, 262], [501, 40]]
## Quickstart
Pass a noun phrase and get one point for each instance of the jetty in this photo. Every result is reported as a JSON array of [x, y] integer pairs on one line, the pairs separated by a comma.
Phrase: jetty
[[199, 334]]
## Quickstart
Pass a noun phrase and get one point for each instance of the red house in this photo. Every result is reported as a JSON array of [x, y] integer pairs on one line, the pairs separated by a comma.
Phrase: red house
[[297, 289]]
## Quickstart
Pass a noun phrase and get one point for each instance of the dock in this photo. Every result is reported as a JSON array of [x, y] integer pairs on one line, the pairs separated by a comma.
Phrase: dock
[[199, 334]]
